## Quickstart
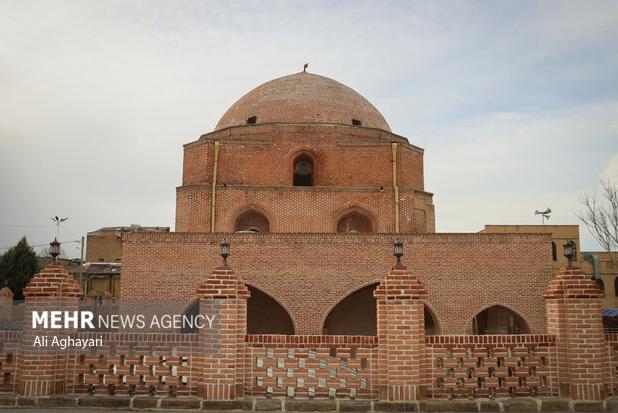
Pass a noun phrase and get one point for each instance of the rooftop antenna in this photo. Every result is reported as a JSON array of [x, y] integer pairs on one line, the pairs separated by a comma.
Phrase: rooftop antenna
[[58, 221], [544, 215], [305, 67]]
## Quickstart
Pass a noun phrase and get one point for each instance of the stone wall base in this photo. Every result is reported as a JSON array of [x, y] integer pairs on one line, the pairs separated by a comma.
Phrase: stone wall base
[[523, 405]]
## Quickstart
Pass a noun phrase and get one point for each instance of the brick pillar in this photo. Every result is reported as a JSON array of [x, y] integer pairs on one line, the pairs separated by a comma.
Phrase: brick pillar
[[225, 295], [43, 370], [401, 335], [574, 317], [6, 304]]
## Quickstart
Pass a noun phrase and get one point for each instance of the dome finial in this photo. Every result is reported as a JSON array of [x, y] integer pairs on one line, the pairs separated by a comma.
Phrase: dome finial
[[305, 67]]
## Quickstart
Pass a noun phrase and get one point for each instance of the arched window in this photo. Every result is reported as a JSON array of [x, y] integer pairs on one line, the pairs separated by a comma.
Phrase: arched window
[[303, 171], [601, 284], [499, 320], [616, 286], [266, 316], [354, 223], [554, 254], [252, 221]]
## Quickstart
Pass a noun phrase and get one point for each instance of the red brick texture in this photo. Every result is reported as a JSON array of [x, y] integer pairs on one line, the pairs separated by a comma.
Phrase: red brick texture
[[483, 366], [398, 364], [303, 98], [311, 366], [401, 335], [309, 273], [352, 169], [41, 372], [574, 317], [223, 366]]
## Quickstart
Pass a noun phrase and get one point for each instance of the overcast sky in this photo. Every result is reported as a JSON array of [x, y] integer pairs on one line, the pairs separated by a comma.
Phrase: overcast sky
[[515, 103]]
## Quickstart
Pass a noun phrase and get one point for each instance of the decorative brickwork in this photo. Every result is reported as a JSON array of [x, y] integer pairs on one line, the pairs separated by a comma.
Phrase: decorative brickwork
[[10, 343], [311, 366], [491, 366]]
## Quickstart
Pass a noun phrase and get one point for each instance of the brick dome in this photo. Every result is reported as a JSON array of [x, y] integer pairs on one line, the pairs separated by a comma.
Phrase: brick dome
[[303, 98]]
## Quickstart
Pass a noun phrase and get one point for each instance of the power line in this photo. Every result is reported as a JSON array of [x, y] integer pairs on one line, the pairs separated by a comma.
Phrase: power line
[[43, 245], [27, 226]]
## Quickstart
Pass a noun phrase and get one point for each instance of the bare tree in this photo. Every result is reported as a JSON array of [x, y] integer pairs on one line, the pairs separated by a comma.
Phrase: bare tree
[[600, 215]]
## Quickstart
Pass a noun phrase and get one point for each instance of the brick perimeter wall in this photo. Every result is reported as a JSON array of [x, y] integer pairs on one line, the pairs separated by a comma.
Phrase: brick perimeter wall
[[309, 274]]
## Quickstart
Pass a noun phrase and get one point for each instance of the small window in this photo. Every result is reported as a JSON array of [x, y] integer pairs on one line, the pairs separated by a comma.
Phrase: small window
[[601, 284], [554, 254], [303, 171], [356, 122], [616, 286], [251, 120]]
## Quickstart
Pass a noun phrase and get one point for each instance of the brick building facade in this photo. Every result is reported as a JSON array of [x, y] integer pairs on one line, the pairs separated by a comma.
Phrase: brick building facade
[[310, 186], [312, 190]]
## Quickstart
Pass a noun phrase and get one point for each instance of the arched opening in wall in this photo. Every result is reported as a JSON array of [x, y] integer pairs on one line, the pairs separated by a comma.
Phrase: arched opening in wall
[[616, 286], [354, 223], [554, 253], [431, 325], [252, 221], [303, 170], [267, 316], [354, 315], [600, 283], [499, 320]]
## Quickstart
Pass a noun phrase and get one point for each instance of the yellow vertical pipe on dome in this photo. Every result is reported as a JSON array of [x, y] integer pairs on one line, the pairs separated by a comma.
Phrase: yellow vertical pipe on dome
[[395, 187], [213, 193]]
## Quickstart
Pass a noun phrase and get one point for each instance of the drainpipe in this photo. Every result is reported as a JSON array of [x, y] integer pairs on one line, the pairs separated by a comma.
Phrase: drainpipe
[[594, 259], [213, 192], [395, 187]]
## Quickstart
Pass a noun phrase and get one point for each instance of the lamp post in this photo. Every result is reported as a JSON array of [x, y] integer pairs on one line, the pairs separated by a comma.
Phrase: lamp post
[[569, 251], [224, 251], [398, 252]]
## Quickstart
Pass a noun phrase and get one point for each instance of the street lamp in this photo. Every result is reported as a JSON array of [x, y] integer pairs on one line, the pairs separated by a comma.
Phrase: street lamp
[[224, 251], [54, 249], [569, 251], [398, 253]]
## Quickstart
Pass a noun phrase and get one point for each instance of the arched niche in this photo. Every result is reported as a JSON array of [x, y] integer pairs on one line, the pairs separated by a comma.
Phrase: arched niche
[[498, 319], [252, 221], [266, 316], [354, 315], [354, 222]]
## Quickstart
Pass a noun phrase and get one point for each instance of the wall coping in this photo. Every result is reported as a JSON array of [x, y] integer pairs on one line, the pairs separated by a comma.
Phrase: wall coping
[[332, 238], [491, 339], [317, 340]]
